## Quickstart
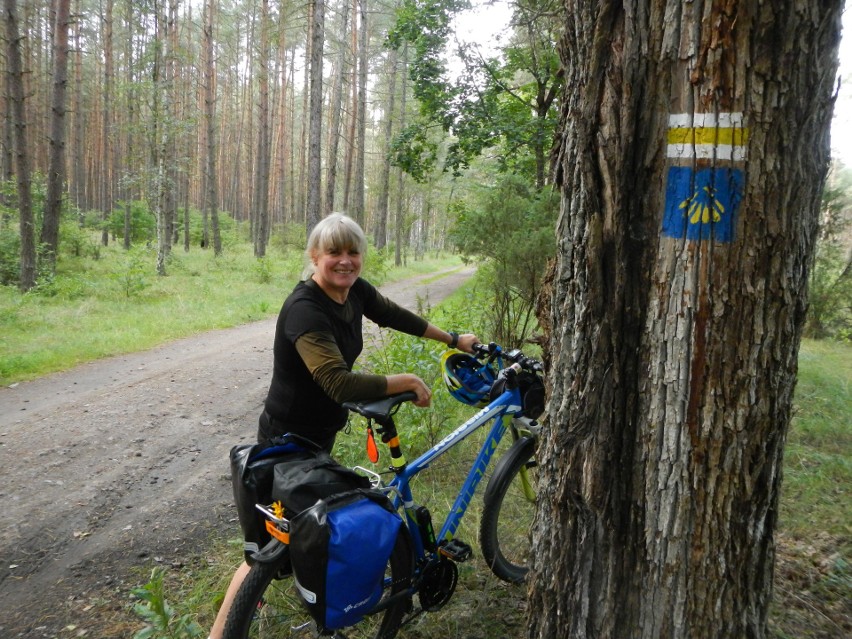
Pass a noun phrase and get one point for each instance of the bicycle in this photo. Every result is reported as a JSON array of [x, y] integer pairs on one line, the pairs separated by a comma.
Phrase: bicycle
[[422, 563]]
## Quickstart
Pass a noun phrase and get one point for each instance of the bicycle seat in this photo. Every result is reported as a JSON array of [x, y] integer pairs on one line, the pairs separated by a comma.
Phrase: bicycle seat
[[379, 409]]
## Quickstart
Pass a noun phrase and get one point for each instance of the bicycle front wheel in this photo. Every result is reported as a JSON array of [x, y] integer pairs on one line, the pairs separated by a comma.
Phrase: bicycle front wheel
[[508, 511], [268, 605]]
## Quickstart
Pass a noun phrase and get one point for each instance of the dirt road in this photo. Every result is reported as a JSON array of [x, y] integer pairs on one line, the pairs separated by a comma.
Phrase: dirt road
[[122, 462]]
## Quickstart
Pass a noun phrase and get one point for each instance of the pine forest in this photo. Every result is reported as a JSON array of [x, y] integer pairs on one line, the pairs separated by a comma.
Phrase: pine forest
[[137, 117]]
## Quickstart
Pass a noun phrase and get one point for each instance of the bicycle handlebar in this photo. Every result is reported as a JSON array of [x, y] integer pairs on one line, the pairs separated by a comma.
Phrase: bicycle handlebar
[[382, 408], [492, 350]]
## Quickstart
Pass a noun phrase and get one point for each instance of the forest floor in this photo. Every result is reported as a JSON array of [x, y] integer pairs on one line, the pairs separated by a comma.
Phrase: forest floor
[[122, 464]]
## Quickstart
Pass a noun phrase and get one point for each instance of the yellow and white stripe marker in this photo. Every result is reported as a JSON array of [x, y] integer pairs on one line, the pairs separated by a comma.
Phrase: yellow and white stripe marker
[[707, 136]]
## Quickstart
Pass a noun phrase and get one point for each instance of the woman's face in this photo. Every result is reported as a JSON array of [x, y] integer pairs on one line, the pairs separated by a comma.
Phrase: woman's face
[[336, 270]]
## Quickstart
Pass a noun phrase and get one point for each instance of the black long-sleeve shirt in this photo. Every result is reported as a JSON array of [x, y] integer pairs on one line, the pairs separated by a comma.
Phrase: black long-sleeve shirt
[[316, 344]]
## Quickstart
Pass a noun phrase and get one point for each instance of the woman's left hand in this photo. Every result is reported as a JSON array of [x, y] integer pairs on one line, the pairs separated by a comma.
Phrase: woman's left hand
[[402, 382]]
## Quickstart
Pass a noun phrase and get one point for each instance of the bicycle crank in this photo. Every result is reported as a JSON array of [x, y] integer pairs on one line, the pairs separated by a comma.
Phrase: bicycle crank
[[438, 583]]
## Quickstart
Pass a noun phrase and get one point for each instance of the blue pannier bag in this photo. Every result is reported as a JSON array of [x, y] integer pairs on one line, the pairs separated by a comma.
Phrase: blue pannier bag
[[339, 549], [252, 475]]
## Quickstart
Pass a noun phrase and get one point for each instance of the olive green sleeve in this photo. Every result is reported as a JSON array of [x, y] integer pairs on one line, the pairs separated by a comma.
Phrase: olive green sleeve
[[326, 365]]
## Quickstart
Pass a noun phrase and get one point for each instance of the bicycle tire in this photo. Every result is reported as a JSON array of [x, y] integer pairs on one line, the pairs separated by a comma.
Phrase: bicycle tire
[[267, 607], [507, 514]]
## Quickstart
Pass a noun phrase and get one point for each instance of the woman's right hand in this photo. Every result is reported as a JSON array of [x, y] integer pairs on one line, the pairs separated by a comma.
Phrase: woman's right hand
[[402, 382]]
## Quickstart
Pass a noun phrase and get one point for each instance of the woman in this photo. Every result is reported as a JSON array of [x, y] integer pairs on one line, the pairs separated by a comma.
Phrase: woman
[[317, 339]]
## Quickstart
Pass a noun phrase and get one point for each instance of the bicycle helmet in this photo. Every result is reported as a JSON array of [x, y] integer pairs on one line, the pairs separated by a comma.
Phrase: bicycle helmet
[[467, 379]]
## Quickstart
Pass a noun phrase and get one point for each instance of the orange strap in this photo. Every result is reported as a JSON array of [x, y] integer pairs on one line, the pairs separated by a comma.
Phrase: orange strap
[[280, 535], [372, 449]]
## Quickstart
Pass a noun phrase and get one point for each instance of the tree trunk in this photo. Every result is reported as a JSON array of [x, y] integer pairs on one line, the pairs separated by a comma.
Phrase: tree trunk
[[106, 133], [381, 228], [314, 204], [280, 116], [8, 157], [693, 150], [301, 191], [358, 202], [290, 153], [56, 169], [15, 73], [131, 120], [211, 193], [172, 190], [260, 206], [336, 107], [399, 214], [77, 167], [349, 160], [162, 116]]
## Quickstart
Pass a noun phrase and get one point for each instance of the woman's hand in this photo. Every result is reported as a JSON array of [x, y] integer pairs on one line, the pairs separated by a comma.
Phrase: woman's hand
[[466, 342], [402, 382]]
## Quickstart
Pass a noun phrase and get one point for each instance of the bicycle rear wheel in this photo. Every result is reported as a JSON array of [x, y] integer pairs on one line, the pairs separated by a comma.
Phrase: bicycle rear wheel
[[269, 607], [508, 511]]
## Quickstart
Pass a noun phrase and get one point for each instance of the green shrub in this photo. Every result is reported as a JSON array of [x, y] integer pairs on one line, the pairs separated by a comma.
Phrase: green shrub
[[377, 266], [10, 257], [143, 223], [75, 240], [510, 228], [830, 295], [263, 269], [161, 620], [288, 238], [132, 272]]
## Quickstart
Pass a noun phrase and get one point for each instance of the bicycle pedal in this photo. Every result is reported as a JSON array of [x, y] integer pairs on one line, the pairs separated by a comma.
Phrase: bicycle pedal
[[456, 550]]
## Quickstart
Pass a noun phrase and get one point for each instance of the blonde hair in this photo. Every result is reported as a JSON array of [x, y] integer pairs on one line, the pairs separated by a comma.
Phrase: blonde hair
[[335, 231]]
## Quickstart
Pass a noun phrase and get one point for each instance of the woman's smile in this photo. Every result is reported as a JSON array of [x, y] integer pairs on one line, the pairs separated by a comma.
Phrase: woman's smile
[[336, 271]]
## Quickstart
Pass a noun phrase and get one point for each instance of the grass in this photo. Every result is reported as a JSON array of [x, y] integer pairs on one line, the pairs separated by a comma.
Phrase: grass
[[118, 304], [813, 576], [817, 465], [483, 607], [813, 582]]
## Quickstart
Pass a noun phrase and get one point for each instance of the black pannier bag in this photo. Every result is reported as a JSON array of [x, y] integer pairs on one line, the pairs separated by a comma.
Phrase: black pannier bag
[[299, 483], [252, 473], [339, 550]]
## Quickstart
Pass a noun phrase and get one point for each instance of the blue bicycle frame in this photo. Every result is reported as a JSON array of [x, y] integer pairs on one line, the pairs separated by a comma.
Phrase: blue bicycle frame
[[502, 410]]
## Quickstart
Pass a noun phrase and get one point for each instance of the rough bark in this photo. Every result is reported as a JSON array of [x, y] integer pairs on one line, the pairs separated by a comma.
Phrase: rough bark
[[56, 167], [358, 196], [380, 231], [105, 193], [76, 187], [314, 203], [399, 213], [15, 71], [335, 108], [282, 117], [301, 191], [211, 195], [677, 310], [349, 160], [260, 208]]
